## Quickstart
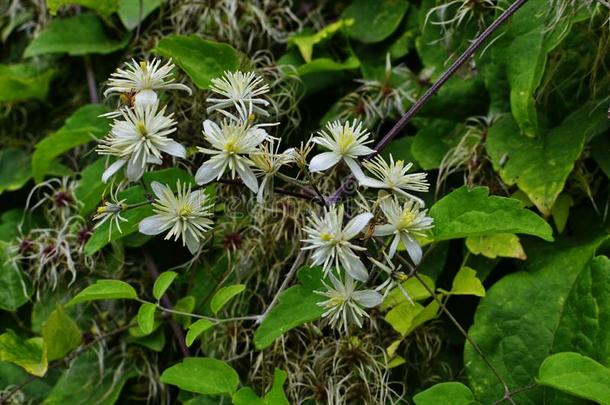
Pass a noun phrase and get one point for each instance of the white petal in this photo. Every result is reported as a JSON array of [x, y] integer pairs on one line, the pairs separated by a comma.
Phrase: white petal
[[210, 170], [192, 243], [210, 127], [157, 188], [145, 98], [394, 246], [413, 248], [356, 224], [175, 149], [112, 169], [367, 298], [373, 183], [153, 160], [152, 225], [354, 166], [354, 267], [248, 177], [135, 170], [323, 161], [383, 230]]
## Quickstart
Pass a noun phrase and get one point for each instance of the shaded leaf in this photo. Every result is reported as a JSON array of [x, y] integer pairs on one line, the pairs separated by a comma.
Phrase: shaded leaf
[[103, 7], [130, 13], [24, 82], [15, 290], [466, 282], [499, 244], [60, 334], [374, 21], [28, 354], [224, 295], [447, 393], [305, 41]]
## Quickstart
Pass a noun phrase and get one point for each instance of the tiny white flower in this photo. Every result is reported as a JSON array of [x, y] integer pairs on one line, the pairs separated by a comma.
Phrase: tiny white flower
[[405, 223], [110, 211], [231, 145], [346, 142], [394, 176], [267, 162], [345, 304], [138, 139], [143, 79], [330, 241], [395, 277], [239, 90], [186, 215]]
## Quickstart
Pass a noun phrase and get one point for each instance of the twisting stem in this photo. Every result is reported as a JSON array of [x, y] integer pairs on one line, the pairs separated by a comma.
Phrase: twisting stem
[[287, 279], [463, 58]]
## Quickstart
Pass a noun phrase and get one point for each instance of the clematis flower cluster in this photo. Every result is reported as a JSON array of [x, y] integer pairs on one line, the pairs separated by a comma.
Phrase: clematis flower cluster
[[355, 247]]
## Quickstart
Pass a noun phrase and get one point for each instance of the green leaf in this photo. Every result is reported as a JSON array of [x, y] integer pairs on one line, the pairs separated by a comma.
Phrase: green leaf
[[146, 317], [561, 211], [275, 396], [413, 287], [86, 383], [60, 334], [15, 169], [402, 315], [305, 41], [465, 213], [467, 283], [499, 244], [599, 147], [567, 289], [374, 21], [163, 282], [184, 304], [24, 82], [84, 126], [103, 7], [447, 393], [577, 375], [434, 140], [224, 295], [79, 35], [102, 236], [169, 177], [540, 166], [296, 306], [202, 60], [15, 290], [202, 375], [130, 13], [196, 329], [90, 188], [321, 73], [154, 341], [105, 290], [28, 354]]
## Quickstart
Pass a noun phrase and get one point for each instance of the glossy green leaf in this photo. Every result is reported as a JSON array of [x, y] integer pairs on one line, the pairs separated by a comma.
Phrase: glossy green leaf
[[29, 354], [202, 60], [202, 375], [146, 317], [466, 282], [305, 41], [447, 393], [15, 290], [496, 245], [130, 13], [540, 166], [163, 282], [15, 169], [103, 7], [275, 396], [86, 383], [224, 295], [104, 234], [466, 213], [79, 35], [60, 334], [105, 290], [577, 375], [196, 329], [90, 188], [374, 21], [296, 306], [82, 127], [568, 289], [24, 82]]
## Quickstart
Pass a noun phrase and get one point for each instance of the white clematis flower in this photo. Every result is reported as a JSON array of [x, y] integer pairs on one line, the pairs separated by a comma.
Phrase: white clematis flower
[[267, 162], [346, 142], [138, 139], [186, 215], [345, 304], [240, 90], [405, 223], [231, 144], [395, 177], [330, 241], [143, 79]]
